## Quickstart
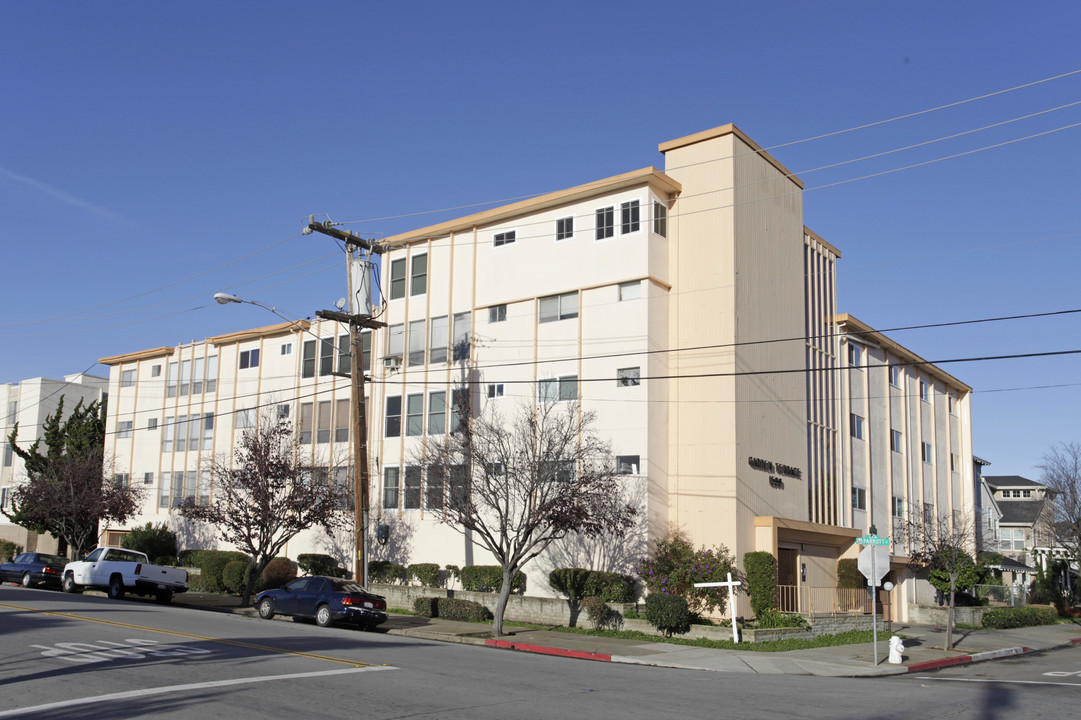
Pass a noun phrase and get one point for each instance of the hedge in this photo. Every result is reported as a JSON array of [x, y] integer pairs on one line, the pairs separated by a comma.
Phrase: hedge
[[1001, 618], [277, 572], [318, 564], [384, 571], [849, 575], [761, 569], [451, 609], [668, 613], [212, 564], [233, 577], [611, 587], [427, 574], [489, 578]]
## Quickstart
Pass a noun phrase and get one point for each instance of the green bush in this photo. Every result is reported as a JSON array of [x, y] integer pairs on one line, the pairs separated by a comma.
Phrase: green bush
[[849, 575], [453, 571], [600, 615], [774, 619], [427, 574], [457, 609], [317, 564], [167, 560], [761, 569], [611, 587], [8, 550], [425, 607], [384, 571], [489, 578], [668, 613], [569, 581], [277, 572], [190, 558], [675, 567], [153, 540], [233, 576], [212, 564], [1001, 618]]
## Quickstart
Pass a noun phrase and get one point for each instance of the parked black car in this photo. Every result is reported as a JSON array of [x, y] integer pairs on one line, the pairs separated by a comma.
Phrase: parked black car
[[325, 599], [33, 568]]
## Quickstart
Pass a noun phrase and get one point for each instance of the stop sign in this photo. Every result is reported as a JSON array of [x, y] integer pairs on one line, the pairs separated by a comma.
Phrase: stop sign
[[879, 557]]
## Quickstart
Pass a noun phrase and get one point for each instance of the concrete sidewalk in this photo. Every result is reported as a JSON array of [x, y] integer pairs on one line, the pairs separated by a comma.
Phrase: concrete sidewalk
[[923, 645]]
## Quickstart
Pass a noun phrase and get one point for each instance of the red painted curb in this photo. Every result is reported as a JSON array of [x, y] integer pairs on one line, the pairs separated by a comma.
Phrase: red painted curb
[[1075, 641], [944, 662], [542, 650]]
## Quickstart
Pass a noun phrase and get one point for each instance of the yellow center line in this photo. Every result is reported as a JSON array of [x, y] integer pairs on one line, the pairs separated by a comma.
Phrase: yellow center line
[[190, 636]]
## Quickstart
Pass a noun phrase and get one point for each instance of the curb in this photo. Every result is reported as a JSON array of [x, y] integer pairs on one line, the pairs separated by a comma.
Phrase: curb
[[978, 657], [543, 650]]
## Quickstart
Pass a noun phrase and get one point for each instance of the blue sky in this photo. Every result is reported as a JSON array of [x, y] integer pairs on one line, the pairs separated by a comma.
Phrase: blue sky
[[152, 154]]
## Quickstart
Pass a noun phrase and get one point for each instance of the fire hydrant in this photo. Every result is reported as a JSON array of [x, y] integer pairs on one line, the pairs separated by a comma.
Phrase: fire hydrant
[[896, 648]]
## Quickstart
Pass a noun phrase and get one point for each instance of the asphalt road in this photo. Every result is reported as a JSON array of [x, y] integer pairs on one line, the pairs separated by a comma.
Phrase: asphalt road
[[77, 656], [1051, 673]]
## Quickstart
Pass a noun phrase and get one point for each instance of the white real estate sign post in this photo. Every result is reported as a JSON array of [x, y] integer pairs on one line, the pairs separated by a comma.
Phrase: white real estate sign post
[[730, 584], [874, 563]]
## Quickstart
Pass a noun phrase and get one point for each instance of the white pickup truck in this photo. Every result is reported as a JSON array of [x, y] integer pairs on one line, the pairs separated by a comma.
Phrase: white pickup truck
[[119, 570]]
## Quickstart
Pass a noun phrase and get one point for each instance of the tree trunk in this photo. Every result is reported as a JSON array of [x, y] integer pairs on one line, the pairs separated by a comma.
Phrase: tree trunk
[[256, 571], [501, 604], [949, 616]]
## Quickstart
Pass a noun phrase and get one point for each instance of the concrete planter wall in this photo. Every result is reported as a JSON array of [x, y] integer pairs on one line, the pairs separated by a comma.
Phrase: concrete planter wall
[[934, 615]]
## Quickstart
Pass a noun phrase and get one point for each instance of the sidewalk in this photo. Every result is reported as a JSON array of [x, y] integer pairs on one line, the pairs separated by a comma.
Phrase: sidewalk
[[923, 645]]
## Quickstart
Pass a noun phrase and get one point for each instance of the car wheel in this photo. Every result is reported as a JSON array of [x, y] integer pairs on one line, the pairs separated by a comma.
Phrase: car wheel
[[323, 616], [26, 580], [69, 585], [164, 597], [266, 609], [116, 588]]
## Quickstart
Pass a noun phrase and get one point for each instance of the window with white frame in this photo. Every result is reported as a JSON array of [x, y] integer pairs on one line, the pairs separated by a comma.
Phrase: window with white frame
[[898, 506], [148, 478], [323, 421], [925, 391], [170, 381], [950, 406], [926, 452], [152, 424], [896, 444], [396, 340], [504, 238], [559, 307], [414, 415], [627, 377], [287, 348], [397, 279], [606, 223], [327, 352], [155, 371], [564, 228], [895, 375], [307, 423], [630, 290], [416, 342], [495, 390], [440, 341], [859, 498], [123, 429], [343, 419], [197, 376], [248, 359], [497, 313], [345, 354], [418, 275], [660, 219], [558, 389], [165, 489], [437, 412], [413, 479], [168, 431], [9, 454], [629, 217], [394, 416], [121, 480], [856, 425], [434, 488], [185, 377], [307, 359], [390, 488], [245, 418], [1012, 539], [211, 373], [127, 378], [560, 471], [855, 355], [628, 464], [460, 336], [955, 463]]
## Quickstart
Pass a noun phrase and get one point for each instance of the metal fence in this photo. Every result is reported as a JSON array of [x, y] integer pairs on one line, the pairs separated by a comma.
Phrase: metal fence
[[1002, 595], [822, 600]]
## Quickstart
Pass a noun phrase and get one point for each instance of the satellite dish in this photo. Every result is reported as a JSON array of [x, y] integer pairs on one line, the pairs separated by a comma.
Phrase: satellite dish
[[340, 304]]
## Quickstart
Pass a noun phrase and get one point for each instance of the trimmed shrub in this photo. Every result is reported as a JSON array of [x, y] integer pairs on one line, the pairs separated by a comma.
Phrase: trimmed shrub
[[169, 560], [1001, 618], [154, 540], [761, 569], [257, 587], [277, 572], [425, 607], [668, 613], [849, 575], [212, 565], [611, 587], [233, 576], [427, 574], [8, 550], [569, 581], [465, 610], [384, 571], [774, 619], [317, 564], [190, 558], [600, 615], [489, 578]]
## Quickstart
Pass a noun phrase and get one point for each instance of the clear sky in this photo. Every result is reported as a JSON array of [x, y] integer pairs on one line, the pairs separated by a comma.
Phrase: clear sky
[[152, 154]]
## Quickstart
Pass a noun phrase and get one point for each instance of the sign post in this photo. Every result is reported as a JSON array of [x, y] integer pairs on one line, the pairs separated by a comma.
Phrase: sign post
[[730, 583], [874, 563]]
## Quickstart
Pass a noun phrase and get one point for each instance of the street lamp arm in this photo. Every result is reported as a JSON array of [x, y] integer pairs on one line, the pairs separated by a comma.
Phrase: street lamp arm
[[225, 298]]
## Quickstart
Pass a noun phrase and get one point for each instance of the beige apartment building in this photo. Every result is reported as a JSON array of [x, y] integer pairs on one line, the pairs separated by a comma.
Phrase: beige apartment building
[[689, 308]]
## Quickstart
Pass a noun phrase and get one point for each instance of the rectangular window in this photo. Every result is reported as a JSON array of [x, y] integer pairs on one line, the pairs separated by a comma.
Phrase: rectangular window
[[182, 433], [248, 358], [460, 336], [504, 238], [307, 421], [437, 412], [955, 463], [557, 389], [394, 416], [185, 377], [950, 405], [287, 348], [13, 412], [497, 313], [440, 341], [859, 499], [155, 371], [245, 418], [418, 278], [856, 425], [559, 307], [123, 429], [459, 410], [895, 440], [926, 453], [459, 486], [898, 508], [148, 478], [495, 390], [627, 377], [327, 352], [152, 424], [366, 351], [307, 359], [895, 375], [416, 342], [414, 415], [564, 228], [167, 435], [412, 487], [630, 291], [212, 373], [925, 391], [606, 223], [628, 464], [397, 278], [127, 378], [122, 480], [204, 487], [208, 431], [197, 377], [629, 217], [345, 354], [396, 340], [322, 421], [390, 488], [170, 381], [855, 355], [166, 489], [660, 219], [189, 485], [9, 454], [342, 420], [435, 488], [560, 471], [194, 432]]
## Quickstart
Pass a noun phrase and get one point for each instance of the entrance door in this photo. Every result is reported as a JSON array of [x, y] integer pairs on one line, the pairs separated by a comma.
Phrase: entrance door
[[788, 579]]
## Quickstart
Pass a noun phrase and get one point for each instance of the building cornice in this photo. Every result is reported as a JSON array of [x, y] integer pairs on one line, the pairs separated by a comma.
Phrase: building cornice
[[138, 355], [259, 332], [730, 129]]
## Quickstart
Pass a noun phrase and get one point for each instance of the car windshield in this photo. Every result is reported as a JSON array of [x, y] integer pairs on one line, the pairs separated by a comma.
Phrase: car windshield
[[52, 559], [348, 586]]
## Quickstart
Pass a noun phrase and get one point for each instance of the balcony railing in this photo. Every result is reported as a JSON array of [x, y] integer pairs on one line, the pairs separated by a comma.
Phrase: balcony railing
[[813, 601]]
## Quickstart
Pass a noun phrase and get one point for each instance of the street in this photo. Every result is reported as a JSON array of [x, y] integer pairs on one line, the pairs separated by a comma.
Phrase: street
[[70, 656], [1052, 673]]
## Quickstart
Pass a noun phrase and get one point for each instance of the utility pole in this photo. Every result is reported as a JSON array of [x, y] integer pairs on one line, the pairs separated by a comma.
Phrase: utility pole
[[358, 271]]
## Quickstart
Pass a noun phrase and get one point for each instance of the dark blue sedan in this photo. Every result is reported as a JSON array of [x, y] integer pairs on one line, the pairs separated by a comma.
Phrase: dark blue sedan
[[324, 599], [33, 568]]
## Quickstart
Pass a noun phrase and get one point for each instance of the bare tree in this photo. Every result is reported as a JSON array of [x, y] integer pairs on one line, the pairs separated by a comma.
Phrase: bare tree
[[1061, 473], [943, 545], [267, 495], [519, 484]]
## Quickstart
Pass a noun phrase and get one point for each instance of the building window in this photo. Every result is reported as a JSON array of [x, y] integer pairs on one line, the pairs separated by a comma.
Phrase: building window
[[504, 238], [606, 223], [437, 348], [416, 342], [629, 217], [559, 307], [148, 478], [9, 454], [397, 278], [167, 435], [558, 389], [560, 471], [950, 405], [390, 488], [895, 440], [185, 377], [366, 351], [855, 355], [197, 377], [122, 480], [926, 453], [396, 341], [394, 416], [170, 381], [127, 378], [460, 334], [1026, 493], [155, 371], [307, 422], [859, 499], [495, 390], [497, 313], [326, 356], [627, 464], [342, 420], [626, 377], [412, 487], [898, 508], [895, 375], [165, 491], [856, 424], [152, 424], [414, 415], [418, 278], [630, 290], [660, 219], [437, 412], [307, 359], [287, 348], [345, 354], [459, 408], [1012, 539], [955, 463], [245, 418], [322, 421], [564, 228], [925, 391], [212, 373], [208, 431], [248, 359], [123, 429], [434, 488]]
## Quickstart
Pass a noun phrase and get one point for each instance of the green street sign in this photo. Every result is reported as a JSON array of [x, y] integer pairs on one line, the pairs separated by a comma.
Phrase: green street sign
[[872, 540]]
